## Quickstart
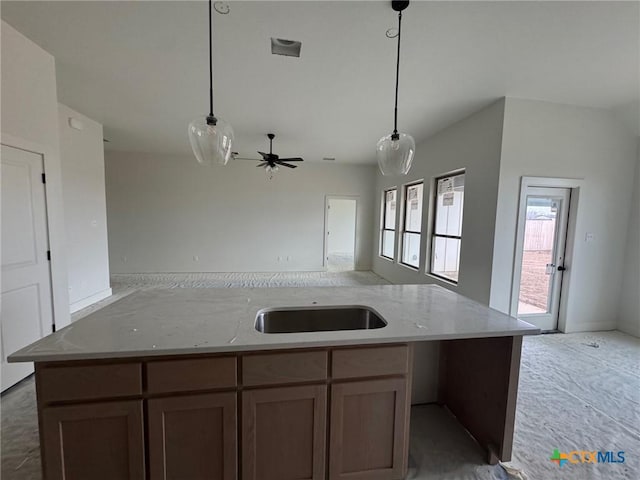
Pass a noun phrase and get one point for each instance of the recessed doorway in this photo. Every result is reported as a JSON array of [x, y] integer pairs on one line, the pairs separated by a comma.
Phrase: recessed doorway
[[540, 255], [340, 233]]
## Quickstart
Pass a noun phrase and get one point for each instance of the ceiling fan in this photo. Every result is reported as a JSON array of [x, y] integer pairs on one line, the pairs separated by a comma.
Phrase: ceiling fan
[[270, 161]]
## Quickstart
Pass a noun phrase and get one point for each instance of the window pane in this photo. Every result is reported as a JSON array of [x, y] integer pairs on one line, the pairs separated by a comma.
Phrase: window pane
[[449, 203], [538, 252], [388, 243], [411, 249], [390, 209], [413, 208], [445, 259]]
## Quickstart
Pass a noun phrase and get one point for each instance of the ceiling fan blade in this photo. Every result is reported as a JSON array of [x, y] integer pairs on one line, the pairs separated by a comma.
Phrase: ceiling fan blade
[[264, 155], [279, 162], [250, 159], [294, 159], [262, 164]]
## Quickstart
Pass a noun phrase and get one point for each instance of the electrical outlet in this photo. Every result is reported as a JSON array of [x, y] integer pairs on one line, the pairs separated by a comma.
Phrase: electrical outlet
[[124, 259], [288, 258], [279, 258], [196, 258], [589, 237]]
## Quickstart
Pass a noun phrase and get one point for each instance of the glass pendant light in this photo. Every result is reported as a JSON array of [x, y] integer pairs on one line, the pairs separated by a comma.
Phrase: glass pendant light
[[395, 152], [211, 138]]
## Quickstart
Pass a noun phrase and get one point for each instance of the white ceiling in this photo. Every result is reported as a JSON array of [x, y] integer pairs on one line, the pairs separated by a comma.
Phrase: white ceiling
[[141, 68]]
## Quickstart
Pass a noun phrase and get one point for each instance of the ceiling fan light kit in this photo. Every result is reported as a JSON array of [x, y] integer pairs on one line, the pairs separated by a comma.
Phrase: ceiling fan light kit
[[395, 152], [270, 161], [211, 138]]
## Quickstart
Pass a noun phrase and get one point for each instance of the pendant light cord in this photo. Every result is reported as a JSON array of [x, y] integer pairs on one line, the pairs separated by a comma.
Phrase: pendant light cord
[[395, 110], [210, 64]]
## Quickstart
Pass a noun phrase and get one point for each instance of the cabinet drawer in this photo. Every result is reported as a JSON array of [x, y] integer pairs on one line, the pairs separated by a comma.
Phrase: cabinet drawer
[[191, 374], [290, 367], [89, 382], [370, 362]]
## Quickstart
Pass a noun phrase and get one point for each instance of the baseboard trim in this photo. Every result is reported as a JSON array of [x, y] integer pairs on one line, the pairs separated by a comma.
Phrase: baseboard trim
[[629, 328], [90, 300]]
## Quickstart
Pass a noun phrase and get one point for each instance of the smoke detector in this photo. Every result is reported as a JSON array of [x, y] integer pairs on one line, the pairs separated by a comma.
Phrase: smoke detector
[[289, 48]]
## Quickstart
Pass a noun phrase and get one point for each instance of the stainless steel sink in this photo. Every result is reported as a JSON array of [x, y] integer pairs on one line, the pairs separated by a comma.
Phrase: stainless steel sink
[[317, 319]]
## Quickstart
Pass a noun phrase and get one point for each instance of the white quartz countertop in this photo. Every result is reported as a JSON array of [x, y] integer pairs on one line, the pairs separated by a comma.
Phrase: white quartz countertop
[[187, 321]]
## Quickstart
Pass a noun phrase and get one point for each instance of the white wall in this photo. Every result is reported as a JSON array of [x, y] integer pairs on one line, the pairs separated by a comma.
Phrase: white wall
[[629, 314], [164, 211], [30, 121], [341, 223], [552, 140], [472, 144], [82, 156]]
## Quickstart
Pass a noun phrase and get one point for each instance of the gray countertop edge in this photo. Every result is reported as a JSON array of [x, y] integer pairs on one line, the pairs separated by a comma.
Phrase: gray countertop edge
[[212, 321], [284, 345]]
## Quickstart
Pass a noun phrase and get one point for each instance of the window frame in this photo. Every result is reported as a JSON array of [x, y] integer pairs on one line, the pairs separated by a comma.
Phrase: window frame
[[383, 224], [433, 235], [405, 189]]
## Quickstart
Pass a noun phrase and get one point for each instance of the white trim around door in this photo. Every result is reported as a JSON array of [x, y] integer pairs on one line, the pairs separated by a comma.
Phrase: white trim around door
[[327, 199], [560, 196]]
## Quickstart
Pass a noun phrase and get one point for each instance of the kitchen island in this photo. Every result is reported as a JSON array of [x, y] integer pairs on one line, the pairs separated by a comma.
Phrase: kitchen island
[[180, 384]]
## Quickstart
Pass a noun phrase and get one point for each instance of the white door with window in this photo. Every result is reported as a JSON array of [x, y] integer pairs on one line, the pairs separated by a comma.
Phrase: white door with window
[[26, 314], [540, 255]]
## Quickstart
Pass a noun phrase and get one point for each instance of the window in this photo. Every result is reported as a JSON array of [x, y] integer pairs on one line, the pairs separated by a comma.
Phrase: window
[[447, 227], [412, 224], [388, 240]]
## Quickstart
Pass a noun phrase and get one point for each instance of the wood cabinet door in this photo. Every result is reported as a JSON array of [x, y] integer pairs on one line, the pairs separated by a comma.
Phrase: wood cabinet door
[[97, 441], [284, 433], [193, 437], [369, 430]]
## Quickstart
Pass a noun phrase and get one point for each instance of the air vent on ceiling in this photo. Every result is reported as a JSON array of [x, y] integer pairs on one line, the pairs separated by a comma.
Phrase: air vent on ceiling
[[290, 48], [329, 159]]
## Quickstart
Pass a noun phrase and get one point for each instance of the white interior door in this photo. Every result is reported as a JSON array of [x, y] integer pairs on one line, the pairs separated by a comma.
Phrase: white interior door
[[340, 233], [26, 305], [541, 242]]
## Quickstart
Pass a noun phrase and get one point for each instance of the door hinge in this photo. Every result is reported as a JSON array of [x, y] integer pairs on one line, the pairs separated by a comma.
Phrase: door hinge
[[49, 255], [44, 178]]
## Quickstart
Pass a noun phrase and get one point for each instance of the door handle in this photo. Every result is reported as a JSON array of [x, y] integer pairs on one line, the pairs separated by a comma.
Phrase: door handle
[[561, 268]]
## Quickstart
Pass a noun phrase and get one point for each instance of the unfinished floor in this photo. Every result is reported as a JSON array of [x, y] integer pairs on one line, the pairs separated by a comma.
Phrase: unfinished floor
[[577, 392]]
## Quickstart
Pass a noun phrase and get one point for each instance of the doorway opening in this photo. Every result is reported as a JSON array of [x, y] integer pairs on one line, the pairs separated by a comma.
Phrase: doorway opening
[[540, 255], [340, 233]]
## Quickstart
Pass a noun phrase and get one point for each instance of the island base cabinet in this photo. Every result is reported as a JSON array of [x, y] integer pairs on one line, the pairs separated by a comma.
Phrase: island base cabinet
[[369, 430], [312, 414], [100, 441], [284, 433], [193, 437]]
